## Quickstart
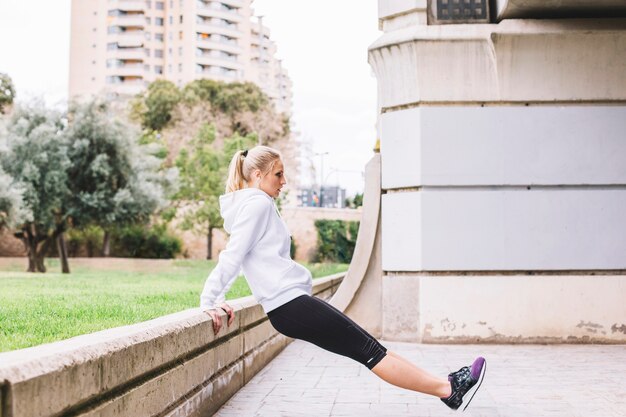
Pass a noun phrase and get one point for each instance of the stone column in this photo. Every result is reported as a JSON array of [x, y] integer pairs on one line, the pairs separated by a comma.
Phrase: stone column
[[503, 152]]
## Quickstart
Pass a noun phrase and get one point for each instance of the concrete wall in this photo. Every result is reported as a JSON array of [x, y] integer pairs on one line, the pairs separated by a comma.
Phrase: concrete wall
[[503, 177], [301, 223], [170, 366], [9, 245]]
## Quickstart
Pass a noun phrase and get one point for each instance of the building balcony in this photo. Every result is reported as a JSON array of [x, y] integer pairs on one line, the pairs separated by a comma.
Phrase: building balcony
[[127, 5], [210, 11], [128, 87], [218, 76], [126, 53], [208, 43], [256, 53], [131, 20], [221, 61], [134, 39], [258, 29], [127, 70], [234, 3], [208, 27]]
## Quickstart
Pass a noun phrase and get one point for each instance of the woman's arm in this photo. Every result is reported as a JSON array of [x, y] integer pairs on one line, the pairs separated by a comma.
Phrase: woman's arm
[[249, 225]]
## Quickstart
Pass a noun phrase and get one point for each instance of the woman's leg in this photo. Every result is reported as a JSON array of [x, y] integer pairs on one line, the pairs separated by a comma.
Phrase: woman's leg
[[316, 321], [400, 372]]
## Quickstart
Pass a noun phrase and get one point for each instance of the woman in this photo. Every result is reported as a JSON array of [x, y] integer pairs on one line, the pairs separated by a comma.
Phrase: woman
[[259, 244]]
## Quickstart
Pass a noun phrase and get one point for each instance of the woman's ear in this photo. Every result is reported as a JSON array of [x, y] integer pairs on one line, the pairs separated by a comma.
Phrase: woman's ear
[[256, 177]]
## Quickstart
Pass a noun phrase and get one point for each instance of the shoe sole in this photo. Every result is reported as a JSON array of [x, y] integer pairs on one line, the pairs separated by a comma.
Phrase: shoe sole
[[474, 389]]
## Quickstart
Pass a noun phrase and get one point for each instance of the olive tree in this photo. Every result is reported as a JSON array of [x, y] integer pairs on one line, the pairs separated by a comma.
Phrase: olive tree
[[113, 180], [76, 171], [7, 92], [36, 157], [12, 209]]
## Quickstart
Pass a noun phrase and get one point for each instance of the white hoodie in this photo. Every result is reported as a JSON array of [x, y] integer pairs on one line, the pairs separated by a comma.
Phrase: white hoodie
[[259, 244]]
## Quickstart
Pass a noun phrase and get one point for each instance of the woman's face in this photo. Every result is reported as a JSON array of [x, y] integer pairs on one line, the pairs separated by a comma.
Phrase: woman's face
[[273, 182]]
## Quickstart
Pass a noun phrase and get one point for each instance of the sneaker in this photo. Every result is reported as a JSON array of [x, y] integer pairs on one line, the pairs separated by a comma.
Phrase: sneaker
[[465, 382]]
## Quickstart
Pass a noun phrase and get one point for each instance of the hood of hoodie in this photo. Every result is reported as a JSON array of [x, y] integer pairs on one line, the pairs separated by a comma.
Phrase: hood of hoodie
[[231, 203]]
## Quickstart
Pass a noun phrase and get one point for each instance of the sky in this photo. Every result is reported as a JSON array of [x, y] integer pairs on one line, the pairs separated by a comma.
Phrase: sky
[[323, 45]]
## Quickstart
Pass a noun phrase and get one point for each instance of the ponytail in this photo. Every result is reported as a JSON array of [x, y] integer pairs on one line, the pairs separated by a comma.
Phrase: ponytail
[[245, 162], [235, 173]]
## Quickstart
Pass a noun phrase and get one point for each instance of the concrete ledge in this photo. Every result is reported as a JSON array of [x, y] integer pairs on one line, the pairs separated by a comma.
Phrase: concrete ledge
[[172, 365]]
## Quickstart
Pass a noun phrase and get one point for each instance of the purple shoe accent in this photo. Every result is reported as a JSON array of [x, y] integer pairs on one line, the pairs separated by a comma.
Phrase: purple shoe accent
[[464, 383], [477, 368]]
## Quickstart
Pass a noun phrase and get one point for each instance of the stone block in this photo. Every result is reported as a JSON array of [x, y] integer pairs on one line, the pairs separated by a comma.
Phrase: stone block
[[485, 230], [257, 336], [401, 223], [401, 310], [522, 309], [534, 61], [229, 351], [252, 313], [503, 146]]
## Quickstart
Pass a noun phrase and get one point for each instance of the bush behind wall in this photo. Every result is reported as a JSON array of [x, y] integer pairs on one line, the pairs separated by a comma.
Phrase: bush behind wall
[[336, 240], [135, 241]]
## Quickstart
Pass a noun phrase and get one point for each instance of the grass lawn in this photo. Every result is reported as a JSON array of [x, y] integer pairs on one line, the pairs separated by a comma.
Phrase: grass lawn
[[101, 294]]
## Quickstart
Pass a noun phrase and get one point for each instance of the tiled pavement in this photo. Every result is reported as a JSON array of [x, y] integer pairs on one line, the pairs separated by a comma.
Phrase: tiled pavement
[[521, 380]]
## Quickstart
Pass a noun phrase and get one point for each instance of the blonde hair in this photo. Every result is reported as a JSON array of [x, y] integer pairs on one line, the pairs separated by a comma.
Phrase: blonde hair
[[244, 163]]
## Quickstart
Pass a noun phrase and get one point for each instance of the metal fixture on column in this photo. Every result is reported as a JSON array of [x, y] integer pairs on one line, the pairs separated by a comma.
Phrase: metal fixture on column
[[457, 11]]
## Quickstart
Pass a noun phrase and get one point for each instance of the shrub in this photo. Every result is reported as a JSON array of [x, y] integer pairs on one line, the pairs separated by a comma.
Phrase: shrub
[[144, 242], [336, 240], [86, 241]]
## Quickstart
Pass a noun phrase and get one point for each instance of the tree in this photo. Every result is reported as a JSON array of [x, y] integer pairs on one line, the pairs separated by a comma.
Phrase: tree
[[203, 171], [113, 180], [7, 92], [91, 172], [12, 210], [37, 159], [211, 120], [236, 107], [154, 107], [228, 98]]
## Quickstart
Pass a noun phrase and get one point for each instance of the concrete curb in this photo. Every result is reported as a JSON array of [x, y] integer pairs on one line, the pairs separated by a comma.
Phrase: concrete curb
[[169, 366]]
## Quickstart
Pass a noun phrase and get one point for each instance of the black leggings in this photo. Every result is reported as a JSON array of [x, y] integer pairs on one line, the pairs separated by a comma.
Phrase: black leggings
[[314, 320]]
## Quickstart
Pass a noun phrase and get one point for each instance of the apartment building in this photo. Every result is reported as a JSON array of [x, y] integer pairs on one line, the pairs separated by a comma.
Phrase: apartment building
[[119, 46]]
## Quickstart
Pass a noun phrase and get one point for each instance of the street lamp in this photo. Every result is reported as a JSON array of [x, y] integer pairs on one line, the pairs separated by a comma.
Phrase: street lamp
[[321, 155]]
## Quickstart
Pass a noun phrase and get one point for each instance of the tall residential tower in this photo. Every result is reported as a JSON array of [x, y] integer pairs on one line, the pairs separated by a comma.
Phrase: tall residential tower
[[119, 46]]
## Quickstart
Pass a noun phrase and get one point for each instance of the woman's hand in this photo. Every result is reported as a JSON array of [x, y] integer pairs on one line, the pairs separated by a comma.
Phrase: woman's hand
[[217, 318], [229, 312]]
